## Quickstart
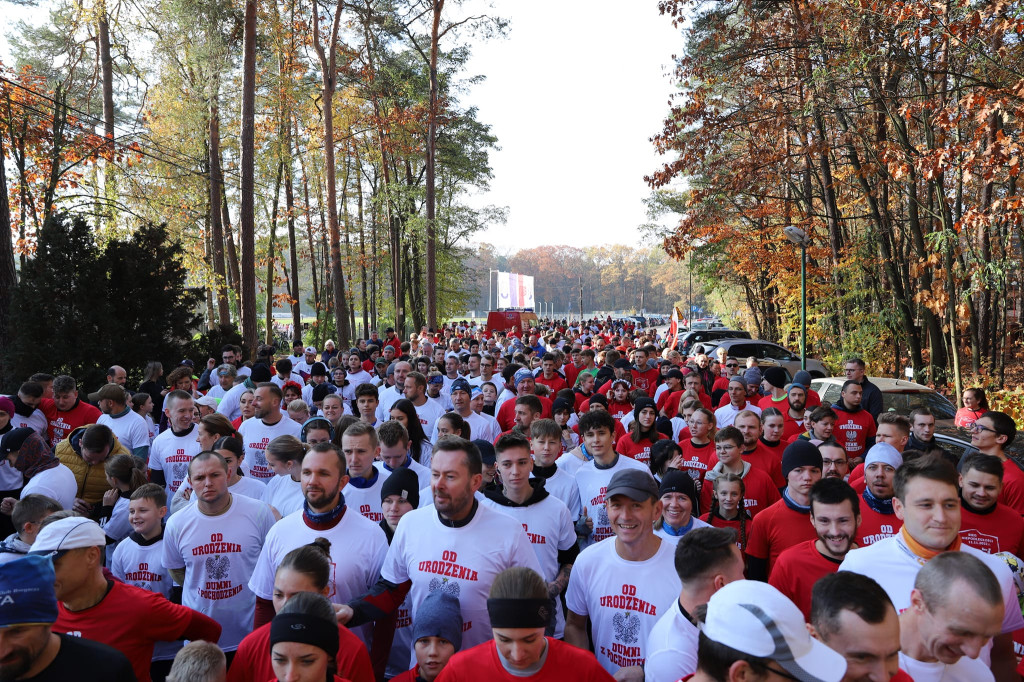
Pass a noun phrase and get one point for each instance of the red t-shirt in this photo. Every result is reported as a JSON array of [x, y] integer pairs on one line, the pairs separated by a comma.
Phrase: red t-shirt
[[791, 428], [697, 459], [813, 400], [252, 660], [563, 662], [1013, 487], [875, 526], [760, 492], [768, 401], [852, 431], [131, 620], [59, 425], [741, 526], [580, 400], [619, 432], [721, 384], [669, 402], [999, 530], [556, 383], [641, 451], [796, 571], [571, 372], [617, 409], [763, 458], [776, 529], [507, 412], [646, 380]]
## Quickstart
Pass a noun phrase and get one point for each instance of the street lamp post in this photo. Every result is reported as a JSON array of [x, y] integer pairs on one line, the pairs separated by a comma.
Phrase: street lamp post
[[801, 239]]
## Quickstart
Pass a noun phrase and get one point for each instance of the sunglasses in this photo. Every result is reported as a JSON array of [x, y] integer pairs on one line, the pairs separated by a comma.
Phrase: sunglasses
[[732, 365]]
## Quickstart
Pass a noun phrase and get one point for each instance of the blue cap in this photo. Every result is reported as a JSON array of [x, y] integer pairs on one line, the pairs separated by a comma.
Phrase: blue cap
[[26, 592], [439, 615], [461, 384], [520, 375]]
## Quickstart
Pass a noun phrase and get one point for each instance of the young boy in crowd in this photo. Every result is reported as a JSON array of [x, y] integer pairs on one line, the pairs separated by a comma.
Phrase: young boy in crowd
[[27, 517], [545, 439]]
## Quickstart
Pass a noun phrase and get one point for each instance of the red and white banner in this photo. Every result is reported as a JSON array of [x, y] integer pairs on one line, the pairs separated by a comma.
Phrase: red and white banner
[[515, 291]]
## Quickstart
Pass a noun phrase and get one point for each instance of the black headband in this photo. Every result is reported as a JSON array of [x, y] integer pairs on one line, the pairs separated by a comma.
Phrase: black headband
[[305, 629], [519, 613]]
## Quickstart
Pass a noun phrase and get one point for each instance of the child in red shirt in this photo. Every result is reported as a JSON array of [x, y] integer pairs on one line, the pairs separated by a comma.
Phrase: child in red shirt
[[642, 434]]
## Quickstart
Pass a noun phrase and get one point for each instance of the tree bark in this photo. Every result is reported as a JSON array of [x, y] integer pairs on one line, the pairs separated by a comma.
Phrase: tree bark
[[247, 219], [293, 256], [438, 6], [271, 255], [8, 274], [216, 225]]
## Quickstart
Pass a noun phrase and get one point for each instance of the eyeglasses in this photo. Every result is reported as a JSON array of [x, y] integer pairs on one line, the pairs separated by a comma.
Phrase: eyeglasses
[[976, 427], [833, 462]]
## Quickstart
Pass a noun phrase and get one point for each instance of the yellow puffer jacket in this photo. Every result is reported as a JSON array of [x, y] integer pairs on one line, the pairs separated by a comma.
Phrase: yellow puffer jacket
[[92, 480]]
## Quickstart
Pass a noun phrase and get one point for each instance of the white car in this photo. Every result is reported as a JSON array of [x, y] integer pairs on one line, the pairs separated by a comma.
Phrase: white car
[[898, 395]]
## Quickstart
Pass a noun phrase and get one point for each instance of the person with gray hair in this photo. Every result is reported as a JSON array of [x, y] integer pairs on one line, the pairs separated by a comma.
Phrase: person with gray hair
[[199, 661], [225, 375], [956, 608]]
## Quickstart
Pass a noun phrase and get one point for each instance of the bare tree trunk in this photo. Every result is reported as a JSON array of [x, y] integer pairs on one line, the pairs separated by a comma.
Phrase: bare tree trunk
[[271, 255], [293, 256], [247, 219], [438, 6], [8, 275], [362, 239], [217, 227], [327, 68], [107, 78], [234, 286]]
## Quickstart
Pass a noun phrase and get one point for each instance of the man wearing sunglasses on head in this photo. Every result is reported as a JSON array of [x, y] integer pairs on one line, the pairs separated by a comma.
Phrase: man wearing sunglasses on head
[[991, 434]]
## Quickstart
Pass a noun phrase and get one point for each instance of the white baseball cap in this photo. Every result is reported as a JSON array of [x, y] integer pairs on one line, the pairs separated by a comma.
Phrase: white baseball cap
[[71, 533], [757, 619], [207, 401]]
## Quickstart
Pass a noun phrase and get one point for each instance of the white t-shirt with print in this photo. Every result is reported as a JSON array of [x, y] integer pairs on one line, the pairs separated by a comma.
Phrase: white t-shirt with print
[[592, 483], [219, 554], [358, 547], [366, 501], [429, 412], [143, 567], [171, 454], [282, 493], [422, 472], [483, 426], [461, 561], [228, 405], [671, 647], [550, 529], [624, 600], [130, 428], [256, 435]]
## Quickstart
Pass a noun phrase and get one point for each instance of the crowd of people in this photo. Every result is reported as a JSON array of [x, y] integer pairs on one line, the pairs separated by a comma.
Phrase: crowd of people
[[568, 502]]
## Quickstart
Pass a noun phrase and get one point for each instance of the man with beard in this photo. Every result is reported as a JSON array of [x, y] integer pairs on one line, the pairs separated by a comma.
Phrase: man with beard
[[797, 412], [447, 546], [834, 461], [878, 520], [268, 424], [26, 408], [784, 524], [855, 427], [835, 515], [29, 649], [358, 545], [986, 523]]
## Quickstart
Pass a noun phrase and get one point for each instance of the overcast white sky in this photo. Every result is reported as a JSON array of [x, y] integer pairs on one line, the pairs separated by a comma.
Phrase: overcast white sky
[[573, 94]]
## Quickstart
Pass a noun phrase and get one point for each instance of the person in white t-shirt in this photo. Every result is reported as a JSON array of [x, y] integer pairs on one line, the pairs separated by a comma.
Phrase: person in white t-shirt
[[225, 375], [268, 423], [394, 452], [231, 449], [211, 549], [389, 395], [358, 545], [597, 428], [545, 518], [362, 448], [706, 559], [130, 428], [481, 426], [679, 504], [546, 443], [427, 410], [283, 492], [450, 545], [927, 499], [355, 376], [726, 415], [28, 453], [173, 449], [956, 608], [626, 583]]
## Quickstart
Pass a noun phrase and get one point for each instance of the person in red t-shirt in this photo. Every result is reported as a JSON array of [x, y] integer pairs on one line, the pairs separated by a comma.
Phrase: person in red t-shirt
[[986, 523], [760, 491], [878, 518], [549, 375], [794, 412], [774, 383], [772, 427], [520, 610], [759, 457], [852, 615], [835, 515], [307, 568], [698, 452], [671, 389], [66, 412], [111, 612], [642, 434], [855, 427], [644, 377], [303, 640], [727, 508], [524, 383], [785, 523], [990, 434], [618, 399]]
